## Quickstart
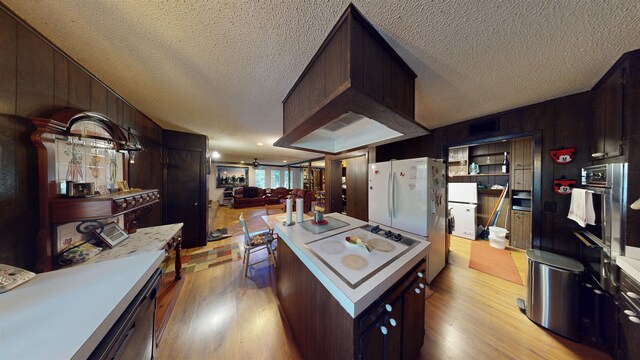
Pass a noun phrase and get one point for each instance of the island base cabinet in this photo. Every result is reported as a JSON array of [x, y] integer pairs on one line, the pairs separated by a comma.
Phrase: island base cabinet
[[395, 323], [321, 327], [390, 328], [413, 319]]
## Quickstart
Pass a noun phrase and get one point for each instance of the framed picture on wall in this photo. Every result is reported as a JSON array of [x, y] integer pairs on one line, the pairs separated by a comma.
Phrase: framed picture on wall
[[232, 176]]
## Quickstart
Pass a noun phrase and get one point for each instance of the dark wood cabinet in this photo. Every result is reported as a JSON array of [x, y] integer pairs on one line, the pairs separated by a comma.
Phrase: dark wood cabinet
[[393, 328], [629, 318], [413, 320], [185, 185], [609, 120], [100, 207]]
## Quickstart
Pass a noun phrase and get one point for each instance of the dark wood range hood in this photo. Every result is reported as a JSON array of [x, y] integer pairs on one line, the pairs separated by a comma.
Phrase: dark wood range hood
[[356, 91]]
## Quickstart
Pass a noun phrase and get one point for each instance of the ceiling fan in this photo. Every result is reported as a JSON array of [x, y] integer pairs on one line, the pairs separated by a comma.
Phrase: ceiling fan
[[255, 163]]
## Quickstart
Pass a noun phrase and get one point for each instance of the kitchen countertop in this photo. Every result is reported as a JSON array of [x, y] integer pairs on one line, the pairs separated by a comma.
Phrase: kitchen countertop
[[630, 266], [144, 240], [354, 301], [64, 314]]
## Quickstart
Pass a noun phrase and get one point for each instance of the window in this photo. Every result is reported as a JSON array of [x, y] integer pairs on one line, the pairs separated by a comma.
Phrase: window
[[261, 179], [286, 179], [275, 178]]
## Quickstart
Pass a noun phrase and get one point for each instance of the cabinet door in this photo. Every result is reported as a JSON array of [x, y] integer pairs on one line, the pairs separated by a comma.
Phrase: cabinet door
[[521, 229], [522, 179], [413, 319], [521, 154], [629, 331], [383, 338], [372, 341], [608, 116], [394, 323]]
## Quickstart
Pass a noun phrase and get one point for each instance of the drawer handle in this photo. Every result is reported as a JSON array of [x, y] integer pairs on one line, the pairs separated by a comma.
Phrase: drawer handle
[[388, 307], [393, 322], [584, 241], [630, 313], [634, 319], [421, 285], [598, 292], [420, 274], [417, 290], [633, 295], [383, 330], [588, 285]]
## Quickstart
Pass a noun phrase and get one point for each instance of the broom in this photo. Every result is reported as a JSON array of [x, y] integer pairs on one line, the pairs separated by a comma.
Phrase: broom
[[485, 232]]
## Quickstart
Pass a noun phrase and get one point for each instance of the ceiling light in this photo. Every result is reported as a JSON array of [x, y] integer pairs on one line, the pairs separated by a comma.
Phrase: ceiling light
[[255, 163], [215, 154], [260, 144], [241, 161], [284, 160]]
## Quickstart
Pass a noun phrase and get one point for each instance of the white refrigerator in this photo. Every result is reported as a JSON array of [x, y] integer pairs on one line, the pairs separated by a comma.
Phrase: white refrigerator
[[463, 201], [409, 195]]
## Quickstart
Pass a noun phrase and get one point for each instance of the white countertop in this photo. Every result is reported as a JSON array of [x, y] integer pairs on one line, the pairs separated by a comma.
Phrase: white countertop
[[354, 301], [64, 314], [143, 240], [630, 266]]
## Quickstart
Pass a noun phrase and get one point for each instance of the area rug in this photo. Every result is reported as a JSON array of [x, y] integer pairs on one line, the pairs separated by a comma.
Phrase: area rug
[[206, 259], [492, 261], [218, 234]]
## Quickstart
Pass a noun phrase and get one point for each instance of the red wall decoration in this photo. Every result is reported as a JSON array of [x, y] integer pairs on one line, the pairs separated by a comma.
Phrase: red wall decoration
[[563, 185], [563, 156]]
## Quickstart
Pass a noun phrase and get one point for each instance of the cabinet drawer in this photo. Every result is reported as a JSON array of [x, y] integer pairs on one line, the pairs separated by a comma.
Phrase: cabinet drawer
[[630, 288]]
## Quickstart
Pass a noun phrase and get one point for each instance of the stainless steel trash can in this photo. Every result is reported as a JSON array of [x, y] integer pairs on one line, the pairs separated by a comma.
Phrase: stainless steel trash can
[[553, 292]]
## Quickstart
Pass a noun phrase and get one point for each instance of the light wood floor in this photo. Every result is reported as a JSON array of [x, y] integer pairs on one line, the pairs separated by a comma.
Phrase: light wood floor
[[221, 314]]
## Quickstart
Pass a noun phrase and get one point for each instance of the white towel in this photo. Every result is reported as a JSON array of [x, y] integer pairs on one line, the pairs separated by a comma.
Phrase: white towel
[[581, 210]]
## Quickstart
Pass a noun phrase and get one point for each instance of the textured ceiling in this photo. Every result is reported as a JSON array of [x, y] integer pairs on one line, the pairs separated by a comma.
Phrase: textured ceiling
[[222, 68]]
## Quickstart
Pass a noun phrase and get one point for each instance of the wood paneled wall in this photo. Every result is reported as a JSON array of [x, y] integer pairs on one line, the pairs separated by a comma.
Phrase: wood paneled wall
[[562, 122], [35, 78]]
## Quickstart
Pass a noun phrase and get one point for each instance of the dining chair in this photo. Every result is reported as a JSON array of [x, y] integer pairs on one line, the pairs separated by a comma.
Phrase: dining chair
[[254, 242]]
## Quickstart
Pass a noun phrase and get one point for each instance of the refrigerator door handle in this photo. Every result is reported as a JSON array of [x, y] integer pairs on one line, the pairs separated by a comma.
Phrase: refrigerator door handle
[[389, 205], [393, 195]]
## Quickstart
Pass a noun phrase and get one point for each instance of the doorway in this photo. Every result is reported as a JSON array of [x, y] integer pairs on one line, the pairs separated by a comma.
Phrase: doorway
[[502, 174], [182, 195], [346, 189]]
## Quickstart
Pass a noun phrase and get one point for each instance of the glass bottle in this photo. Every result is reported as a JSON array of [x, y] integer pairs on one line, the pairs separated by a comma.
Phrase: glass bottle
[[505, 164]]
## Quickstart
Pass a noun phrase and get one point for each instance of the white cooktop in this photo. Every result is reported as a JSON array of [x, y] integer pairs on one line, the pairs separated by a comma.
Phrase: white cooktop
[[352, 263]]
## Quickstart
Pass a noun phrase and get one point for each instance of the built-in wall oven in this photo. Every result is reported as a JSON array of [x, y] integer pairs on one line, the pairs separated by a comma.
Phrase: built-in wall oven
[[602, 242]]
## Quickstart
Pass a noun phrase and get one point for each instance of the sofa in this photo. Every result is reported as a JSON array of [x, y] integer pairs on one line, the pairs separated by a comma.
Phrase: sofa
[[244, 197], [307, 195], [276, 195]]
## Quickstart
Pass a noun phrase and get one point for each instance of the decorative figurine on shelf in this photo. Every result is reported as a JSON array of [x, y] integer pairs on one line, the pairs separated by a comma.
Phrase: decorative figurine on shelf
[[474, 169]]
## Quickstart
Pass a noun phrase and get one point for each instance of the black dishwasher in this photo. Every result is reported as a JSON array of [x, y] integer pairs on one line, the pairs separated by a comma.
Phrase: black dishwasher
[[133, 335]]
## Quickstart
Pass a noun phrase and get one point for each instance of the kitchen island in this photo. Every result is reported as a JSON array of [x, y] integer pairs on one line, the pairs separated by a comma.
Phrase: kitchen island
[[342, 301]]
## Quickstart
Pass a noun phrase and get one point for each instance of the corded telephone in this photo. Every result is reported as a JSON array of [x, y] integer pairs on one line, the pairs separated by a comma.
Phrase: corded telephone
[[11, 276]]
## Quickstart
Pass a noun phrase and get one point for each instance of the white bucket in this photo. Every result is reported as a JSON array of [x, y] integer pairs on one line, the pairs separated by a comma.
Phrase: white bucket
[[498, 232], [497, 237], [497, 243]]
